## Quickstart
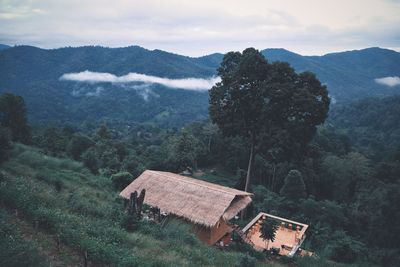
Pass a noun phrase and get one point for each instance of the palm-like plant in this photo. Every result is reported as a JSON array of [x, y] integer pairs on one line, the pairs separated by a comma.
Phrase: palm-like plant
[[268, 231]]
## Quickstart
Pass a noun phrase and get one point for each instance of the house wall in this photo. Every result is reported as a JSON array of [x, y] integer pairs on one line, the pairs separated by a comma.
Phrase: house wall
[[213, 234]]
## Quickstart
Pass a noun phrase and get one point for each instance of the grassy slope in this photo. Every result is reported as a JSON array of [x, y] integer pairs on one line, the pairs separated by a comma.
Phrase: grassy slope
[[58, 199]]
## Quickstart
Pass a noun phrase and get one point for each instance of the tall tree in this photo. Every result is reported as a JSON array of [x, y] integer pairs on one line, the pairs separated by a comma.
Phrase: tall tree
[[103, 133], [13, 116], [294, 187], [184, 151], [5, 143], [270, 105]]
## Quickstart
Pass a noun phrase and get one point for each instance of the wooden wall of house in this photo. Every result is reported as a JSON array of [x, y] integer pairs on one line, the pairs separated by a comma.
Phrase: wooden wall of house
[[213, 234]]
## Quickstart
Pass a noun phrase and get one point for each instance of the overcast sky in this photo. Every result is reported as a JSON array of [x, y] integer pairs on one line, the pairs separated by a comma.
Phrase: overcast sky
[[308, 27]]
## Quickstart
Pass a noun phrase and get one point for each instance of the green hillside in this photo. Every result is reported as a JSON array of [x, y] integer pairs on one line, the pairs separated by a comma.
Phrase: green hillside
[[58, 198], [372, 125], [53, 211]]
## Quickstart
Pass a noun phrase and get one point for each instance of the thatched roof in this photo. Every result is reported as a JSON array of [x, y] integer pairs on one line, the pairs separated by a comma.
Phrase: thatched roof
[[195, 200]]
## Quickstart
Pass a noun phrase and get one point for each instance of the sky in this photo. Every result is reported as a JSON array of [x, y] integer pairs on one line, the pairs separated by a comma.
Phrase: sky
[[196, 28]]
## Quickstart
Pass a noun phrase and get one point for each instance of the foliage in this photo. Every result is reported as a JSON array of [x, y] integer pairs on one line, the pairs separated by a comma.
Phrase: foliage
[[87, 218], [371, 125], [346, 174], [90, 160], [121, 180], [247, 261], [269, 104], [5, 143], [14, 250], [13, 116], [268, 230], [294, 187], [182, 152], [350, 170], [345, 249], [130, 222], [36, 73], [78, 145]]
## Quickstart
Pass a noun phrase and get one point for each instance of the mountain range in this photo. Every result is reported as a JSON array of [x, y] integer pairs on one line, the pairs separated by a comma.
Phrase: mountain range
[[3, 46], [36, 74]]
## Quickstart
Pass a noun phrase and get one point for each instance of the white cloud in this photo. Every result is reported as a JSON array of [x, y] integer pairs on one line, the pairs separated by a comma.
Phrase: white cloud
[[103, 77], [389, 81]]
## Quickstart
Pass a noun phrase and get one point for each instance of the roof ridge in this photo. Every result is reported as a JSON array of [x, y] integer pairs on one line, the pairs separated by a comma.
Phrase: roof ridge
[[177, 176]]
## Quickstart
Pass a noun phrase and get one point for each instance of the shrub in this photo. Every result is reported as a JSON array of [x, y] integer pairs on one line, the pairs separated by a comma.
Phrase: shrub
[[248, 249], [5, 143], [294, 187], [90, 160], [58, 185], [130, 222], [345, 249], [14, 250], [247, 261], [79, 144], [121, 180]]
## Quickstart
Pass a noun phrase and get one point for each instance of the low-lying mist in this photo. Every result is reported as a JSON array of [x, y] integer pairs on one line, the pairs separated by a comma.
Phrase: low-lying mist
[[198, 84]]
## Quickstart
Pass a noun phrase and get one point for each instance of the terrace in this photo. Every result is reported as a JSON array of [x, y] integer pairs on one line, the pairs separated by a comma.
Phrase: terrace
[[289, 235]]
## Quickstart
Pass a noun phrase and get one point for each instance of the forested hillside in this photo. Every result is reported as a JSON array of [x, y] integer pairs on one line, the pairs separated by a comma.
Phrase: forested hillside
[[3, 46], [35, 74], [349, 75], [372, 125]]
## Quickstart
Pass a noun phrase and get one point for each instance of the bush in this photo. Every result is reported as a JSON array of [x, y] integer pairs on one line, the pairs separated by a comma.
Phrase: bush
[[58, 185], [89, 159], [345, 249], [130, 222], [179, 230], [5, 143], [248, 249], [121, 180], [79, 144], [247, 261], [14, 250], [153, 229]]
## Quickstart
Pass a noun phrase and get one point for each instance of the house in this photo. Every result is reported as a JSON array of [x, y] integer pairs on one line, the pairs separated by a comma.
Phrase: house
[[207, 206], [288, 237]]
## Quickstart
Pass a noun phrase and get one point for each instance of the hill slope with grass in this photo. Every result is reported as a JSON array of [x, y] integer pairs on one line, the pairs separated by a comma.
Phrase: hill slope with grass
[[54, 211]]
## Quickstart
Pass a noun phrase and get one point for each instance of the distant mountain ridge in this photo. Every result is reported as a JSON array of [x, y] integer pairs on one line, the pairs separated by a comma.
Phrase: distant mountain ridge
[[3, 46], [349, 75], [34, 73]]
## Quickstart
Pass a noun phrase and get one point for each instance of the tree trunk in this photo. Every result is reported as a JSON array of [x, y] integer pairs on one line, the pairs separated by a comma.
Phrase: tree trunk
[[248, 176], [250, 168], [273, 177]]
